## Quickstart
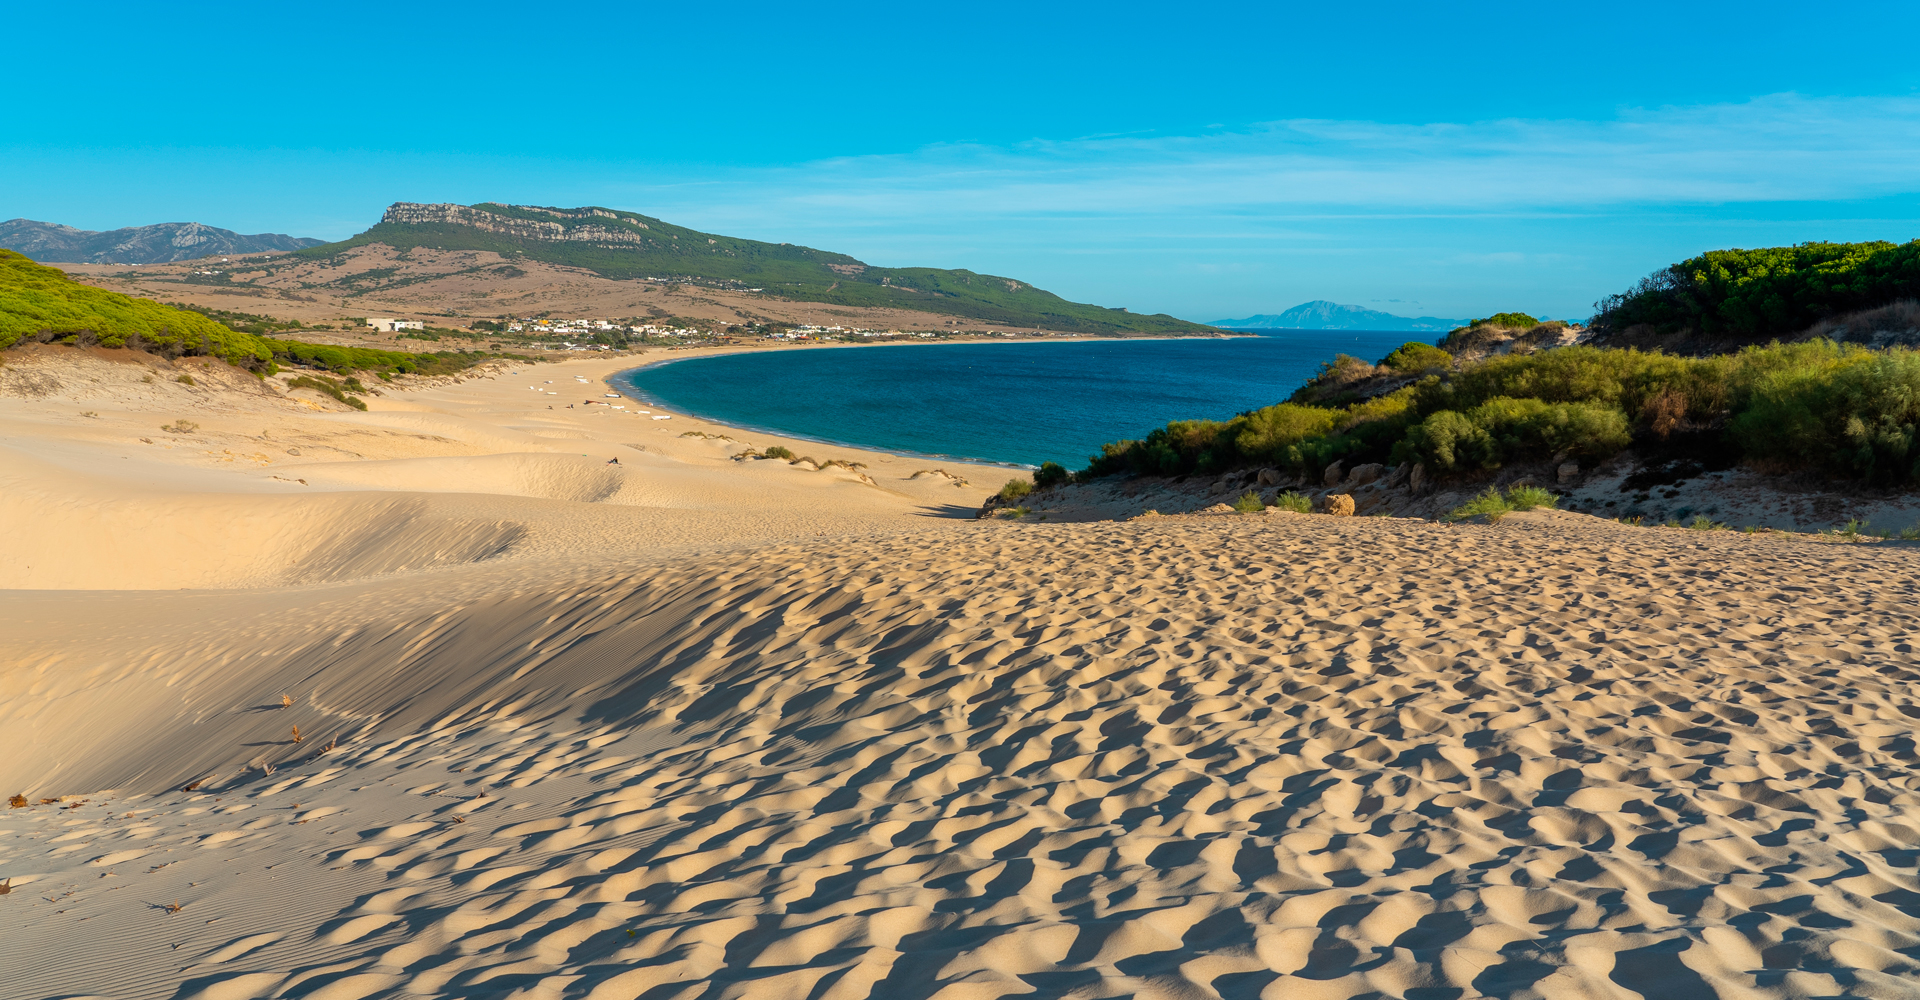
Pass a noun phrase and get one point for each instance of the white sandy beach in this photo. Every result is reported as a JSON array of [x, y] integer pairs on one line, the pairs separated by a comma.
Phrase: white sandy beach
[[685, 727]]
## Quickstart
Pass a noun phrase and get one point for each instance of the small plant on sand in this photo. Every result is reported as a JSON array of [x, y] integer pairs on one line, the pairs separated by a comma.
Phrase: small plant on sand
[[1249, 503], [1015, 489], [89, 413], [180, 427], [776, 451], [1021, 511], [1495, 506], [328, 387], [1907, 534], [148, 379], [1702, 522], [1296, 502], [1848, 532], [1489, 503], [1632, 522], [296, 735], [185, 380], [173, 908], [1529, 497], [286, 701], [1050, 474], [17, 802]]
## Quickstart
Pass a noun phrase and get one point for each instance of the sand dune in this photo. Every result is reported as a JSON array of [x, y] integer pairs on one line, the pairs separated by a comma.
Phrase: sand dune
[[1266, 756]]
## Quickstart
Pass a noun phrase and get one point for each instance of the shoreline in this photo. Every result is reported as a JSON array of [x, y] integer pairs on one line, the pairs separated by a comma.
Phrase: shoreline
[[699, 353]]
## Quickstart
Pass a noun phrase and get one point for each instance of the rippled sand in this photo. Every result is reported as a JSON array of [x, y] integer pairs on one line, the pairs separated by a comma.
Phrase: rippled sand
[[1265, 756]]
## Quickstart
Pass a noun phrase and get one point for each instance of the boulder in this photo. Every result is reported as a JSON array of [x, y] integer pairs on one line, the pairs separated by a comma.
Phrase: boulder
[[1364, 474], [1340, 504], [1417, 477], [1335, 473], [1218, 508], [1399, 475], [1568, 472], [1269, 477]]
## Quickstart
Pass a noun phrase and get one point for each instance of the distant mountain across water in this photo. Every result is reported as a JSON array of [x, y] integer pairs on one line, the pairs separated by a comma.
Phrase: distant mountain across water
[[1323, 315], [52, 243]]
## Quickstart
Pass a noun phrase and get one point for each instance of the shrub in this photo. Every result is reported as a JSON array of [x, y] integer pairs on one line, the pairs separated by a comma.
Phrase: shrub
[[1414, 356], [1768, 292], [1249, 503], [776, 451], [1505, 428], [1510, 320], [328, 387], [1295, 502], [1489, 503], [1702, 522], [185, 380], [1050, 474], [1015, 489], [1529, 497]]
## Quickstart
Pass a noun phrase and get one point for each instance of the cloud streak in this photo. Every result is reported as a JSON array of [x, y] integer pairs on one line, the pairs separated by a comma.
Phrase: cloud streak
[[1778, 148]]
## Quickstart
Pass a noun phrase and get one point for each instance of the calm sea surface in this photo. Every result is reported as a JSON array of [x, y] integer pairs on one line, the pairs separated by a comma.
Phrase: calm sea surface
[[1020, 403]]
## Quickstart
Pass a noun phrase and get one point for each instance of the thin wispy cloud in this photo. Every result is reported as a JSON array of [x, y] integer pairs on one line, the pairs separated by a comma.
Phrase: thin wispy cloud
[[1776, 148]]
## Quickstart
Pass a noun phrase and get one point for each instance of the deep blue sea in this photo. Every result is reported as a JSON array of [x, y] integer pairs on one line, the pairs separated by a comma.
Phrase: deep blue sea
[[1020, 403]]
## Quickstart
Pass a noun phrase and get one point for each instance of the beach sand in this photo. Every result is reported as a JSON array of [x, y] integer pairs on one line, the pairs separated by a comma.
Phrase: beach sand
[[687, 727]]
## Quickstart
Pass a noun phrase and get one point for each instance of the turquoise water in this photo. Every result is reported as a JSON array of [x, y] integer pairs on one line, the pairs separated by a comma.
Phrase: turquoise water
[[1018, 403]]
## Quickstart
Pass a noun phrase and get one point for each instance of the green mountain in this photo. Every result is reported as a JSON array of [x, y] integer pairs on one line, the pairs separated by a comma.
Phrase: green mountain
[[624, 245]]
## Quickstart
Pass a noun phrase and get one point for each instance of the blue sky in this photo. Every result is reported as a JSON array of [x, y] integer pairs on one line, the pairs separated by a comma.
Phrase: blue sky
[[1447, 160]]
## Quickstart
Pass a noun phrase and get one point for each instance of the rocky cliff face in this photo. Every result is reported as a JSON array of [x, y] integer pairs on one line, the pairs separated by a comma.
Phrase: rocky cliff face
[[410, 213], [50, 242]]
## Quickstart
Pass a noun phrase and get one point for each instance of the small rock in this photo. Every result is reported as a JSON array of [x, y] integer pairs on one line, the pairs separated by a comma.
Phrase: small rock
[[1334, 474], [1568, 472], [1364, 474], [1218, 508], [1269, 477], [295, 452], [1339, 504]]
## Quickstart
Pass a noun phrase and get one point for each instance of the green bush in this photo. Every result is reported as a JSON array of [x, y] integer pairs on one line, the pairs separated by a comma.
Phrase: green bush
[[1490, 503], [1294, 502], [1050, 474], [1768, 292], [40, 302], [1249, 503], [1504, 428], [1529, 497], [329, 387], [1414, 356], [1015, 489], [1510, 320], [776, 451]]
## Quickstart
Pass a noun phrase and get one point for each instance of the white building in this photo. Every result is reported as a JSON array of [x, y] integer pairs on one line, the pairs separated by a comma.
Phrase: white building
[[388, 324]]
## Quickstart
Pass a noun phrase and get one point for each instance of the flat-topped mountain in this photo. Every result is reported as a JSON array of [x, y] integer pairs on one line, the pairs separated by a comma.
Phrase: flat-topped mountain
[[50, 242], [626, 245], [1323, 315]]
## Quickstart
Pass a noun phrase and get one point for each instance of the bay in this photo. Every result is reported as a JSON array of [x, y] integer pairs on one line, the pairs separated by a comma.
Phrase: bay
[[1018, 403]]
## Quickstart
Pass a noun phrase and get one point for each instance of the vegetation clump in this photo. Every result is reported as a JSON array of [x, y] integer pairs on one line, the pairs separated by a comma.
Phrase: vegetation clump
[[1752, 295], [337, 389], [1295, 502], [1249, 503], [1495, 506], [1015, 489]]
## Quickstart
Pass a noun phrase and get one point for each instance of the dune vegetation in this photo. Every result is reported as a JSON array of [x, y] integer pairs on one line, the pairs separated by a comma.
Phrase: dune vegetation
[[1844, 409], [42, 304], [1753, 295]]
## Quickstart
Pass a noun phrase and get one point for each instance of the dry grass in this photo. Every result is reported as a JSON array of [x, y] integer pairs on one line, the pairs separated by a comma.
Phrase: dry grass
[[286, 701], [17, 802], [296, 735]]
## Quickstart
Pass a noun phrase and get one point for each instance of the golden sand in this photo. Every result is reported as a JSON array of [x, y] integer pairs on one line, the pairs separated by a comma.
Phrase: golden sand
[[690, 727]]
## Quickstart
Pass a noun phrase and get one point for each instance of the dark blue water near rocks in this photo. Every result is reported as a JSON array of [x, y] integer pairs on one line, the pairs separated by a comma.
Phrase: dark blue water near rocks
[[1018, 403]]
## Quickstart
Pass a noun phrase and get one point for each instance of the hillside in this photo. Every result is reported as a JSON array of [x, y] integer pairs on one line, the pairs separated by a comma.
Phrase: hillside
[[1323, 315], [169, 241], [626, 245]]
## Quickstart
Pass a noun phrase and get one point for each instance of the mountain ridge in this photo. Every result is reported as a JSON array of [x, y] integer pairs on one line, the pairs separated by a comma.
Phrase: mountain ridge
[[625, 245], [162, 243], [1321, 314]]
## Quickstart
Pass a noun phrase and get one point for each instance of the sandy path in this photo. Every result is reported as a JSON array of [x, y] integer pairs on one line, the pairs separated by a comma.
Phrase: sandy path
[[1266, 756]]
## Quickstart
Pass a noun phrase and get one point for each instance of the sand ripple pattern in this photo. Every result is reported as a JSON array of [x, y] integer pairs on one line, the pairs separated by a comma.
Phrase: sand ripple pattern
[[1232, 759]]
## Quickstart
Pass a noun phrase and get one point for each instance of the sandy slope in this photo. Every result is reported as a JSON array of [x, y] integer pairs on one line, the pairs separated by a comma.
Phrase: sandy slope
[[731, 730]]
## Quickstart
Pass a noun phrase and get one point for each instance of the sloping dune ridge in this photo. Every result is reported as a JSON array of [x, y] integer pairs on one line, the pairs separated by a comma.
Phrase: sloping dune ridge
[[1268, 756]]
